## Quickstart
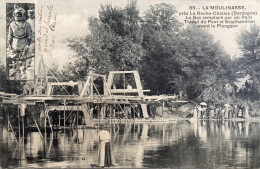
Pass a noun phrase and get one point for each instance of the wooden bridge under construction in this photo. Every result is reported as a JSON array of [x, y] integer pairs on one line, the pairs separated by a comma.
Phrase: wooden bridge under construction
[[110, 99]]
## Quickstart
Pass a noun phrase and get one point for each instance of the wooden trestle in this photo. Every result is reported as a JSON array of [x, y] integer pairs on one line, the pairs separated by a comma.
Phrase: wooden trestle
[[88, 95]]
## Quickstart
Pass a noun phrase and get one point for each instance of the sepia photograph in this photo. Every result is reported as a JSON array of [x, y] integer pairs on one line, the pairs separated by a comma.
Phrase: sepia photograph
[[130, 84], [20, 39]]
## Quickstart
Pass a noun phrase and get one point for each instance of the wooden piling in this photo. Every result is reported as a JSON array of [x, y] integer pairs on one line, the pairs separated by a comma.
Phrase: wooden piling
[[110, 111], [163, 107], [59, 118], [64, 114], [23, 130], [19, 122], [50, 123], [8, 121], [77, 116], [45, 122]]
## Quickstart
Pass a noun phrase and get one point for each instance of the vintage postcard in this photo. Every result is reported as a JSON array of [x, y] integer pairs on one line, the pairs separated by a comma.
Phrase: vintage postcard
[[20, 53], [129, 84]]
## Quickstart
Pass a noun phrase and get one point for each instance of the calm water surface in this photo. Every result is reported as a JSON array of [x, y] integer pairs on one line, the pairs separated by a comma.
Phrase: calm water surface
[[177, 145]]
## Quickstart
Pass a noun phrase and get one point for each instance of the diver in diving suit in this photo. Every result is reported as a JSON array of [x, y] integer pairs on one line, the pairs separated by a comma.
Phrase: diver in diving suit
[[19, 39]]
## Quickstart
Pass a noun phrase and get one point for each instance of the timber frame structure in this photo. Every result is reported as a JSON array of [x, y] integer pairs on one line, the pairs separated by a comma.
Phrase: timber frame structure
[[109, 100]]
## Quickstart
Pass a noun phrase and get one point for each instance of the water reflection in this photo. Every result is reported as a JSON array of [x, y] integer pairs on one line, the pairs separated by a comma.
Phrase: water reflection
[[200, 144]]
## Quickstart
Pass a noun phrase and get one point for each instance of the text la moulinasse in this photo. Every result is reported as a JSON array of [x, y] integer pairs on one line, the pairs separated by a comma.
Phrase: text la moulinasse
[[223, 7]]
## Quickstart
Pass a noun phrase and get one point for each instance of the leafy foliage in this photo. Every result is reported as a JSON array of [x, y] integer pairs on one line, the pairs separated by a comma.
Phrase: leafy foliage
[[189, 60], [160, 43], [248, 64], [204, 62], [249, 42], [114, 42], [170, 58]]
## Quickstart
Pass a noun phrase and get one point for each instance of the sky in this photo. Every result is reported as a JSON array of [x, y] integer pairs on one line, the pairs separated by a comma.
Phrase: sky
[[72, 20]]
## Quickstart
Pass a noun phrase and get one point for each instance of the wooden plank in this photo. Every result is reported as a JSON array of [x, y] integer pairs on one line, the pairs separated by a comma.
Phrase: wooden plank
[[138, 83], [144, 110], [98, 75], [110, 81], [124, 91], [121, 72], [87, 115], [49, 90], [105, 85], [63, 83], [95, 97], [31, 99], [68, 107], [161, 96], [85, 87]]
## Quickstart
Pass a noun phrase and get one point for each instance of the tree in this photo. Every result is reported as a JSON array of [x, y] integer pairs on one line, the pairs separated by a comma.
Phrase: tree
[[159, 63], [160, 43], [161, 17], [206, 63], [169, 59], [114, 42], [249, 42]]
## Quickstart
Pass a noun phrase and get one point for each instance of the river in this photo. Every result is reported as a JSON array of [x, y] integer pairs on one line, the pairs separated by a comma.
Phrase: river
[[182, 144]]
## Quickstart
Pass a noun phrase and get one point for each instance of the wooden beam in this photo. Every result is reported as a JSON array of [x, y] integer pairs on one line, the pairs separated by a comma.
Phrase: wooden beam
[[63, 83], [86, 85], [68, 107], [124, 91], [49, 89], [121, 72], [109, 82], [98, 75]]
